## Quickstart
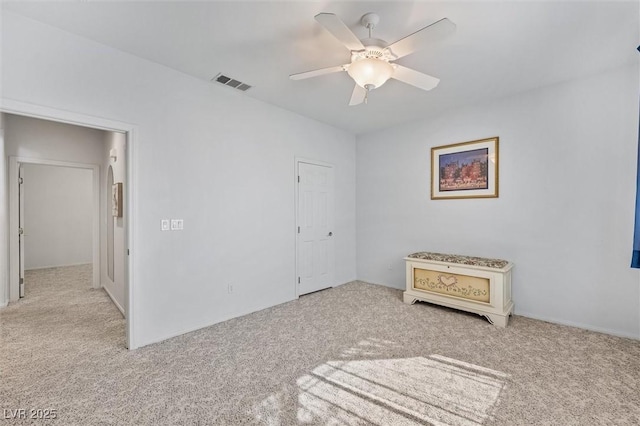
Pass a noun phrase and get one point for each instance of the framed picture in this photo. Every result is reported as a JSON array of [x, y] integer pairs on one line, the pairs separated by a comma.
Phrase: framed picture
[[465, 170], [116, 197]]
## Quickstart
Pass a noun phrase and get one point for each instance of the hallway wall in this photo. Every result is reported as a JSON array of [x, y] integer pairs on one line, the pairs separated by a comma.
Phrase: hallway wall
[[116, 286], [4, 273], [58, 216], [38, 139], [42, 139]]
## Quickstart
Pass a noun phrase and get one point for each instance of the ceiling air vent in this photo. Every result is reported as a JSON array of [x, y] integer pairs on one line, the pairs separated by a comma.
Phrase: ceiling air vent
[[231, 82]]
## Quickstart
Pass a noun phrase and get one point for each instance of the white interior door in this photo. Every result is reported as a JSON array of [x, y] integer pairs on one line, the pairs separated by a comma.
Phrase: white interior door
[[315, 248], [21, 228]]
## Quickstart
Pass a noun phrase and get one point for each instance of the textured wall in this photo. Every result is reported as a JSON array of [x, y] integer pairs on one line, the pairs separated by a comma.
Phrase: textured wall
[[115, 287], [4, 254], [565, 211], [58, 210]]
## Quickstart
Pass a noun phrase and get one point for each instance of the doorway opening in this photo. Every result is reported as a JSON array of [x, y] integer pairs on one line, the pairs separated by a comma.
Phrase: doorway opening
[[58, 217], [127, 134]]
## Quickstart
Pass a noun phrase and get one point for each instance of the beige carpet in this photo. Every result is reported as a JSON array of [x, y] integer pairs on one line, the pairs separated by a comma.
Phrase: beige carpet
[[352, 355]]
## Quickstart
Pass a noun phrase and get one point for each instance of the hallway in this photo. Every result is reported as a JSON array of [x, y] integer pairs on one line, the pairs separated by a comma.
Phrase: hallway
[[54, 337]]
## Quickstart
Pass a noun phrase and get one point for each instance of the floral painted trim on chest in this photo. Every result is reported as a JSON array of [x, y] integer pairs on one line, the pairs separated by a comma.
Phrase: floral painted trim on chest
[[464, 260]]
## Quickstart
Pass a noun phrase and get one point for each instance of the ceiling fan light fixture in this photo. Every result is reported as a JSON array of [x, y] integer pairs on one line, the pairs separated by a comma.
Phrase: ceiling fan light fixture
[[370, 72], [371, 58]]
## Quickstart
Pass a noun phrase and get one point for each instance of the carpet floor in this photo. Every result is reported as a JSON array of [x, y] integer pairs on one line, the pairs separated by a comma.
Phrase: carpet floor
[[351, 355]]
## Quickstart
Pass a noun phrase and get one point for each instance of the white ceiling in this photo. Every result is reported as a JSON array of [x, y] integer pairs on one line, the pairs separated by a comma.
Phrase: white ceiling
[[500, 48]]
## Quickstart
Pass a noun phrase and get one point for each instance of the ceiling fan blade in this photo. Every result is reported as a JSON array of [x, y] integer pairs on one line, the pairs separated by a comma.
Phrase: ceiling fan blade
[[415, 78], [358, 96], [339, 29], [434, 32], [315, 73]]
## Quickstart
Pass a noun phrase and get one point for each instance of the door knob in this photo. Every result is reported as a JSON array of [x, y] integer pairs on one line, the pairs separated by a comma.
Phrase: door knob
[[330, 234]]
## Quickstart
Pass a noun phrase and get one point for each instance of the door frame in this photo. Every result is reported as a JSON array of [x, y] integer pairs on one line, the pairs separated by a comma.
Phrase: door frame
[[14, 214], [296, 191], [12, 106]]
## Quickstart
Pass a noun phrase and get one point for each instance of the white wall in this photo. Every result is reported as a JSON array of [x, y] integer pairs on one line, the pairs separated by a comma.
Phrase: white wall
[[565, 211], [4, 253], [48, 140], [221, 161], [40, 140], [58, 216], [115, 287]]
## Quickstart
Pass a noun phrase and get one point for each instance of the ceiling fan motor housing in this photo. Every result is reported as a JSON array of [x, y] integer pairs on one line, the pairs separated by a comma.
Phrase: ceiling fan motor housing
[[370, 68]]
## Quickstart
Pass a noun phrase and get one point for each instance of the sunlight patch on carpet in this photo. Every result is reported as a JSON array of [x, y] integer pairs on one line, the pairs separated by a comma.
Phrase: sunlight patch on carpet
[[405, 391], [371, 347], [270, 410]]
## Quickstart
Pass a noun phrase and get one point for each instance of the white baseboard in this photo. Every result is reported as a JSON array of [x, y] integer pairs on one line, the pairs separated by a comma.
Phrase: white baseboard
[[578, 325], [57, 266], [551, 320], [207, 324], [115, 302]]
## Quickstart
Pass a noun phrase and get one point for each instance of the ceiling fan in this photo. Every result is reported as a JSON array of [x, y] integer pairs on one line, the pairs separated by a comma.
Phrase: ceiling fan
[[372, 59]]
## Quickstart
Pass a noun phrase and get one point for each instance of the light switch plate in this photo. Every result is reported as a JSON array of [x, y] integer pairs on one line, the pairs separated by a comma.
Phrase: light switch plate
[[164, 224], [174, 224]]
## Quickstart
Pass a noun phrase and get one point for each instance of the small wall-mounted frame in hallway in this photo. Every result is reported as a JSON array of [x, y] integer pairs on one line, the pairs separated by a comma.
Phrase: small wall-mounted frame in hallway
[[116, 191]]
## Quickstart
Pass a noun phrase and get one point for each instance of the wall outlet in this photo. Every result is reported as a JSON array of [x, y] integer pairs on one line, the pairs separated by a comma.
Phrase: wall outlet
[[164, 225], [390, 266], [230, 288]]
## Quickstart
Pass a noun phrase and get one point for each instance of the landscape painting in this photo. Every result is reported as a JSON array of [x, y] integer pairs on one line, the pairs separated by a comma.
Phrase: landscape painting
[[465, 170]]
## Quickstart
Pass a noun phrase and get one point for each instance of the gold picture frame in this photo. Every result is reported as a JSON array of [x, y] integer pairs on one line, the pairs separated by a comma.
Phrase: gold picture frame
[[116, 199], [465, 170]]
